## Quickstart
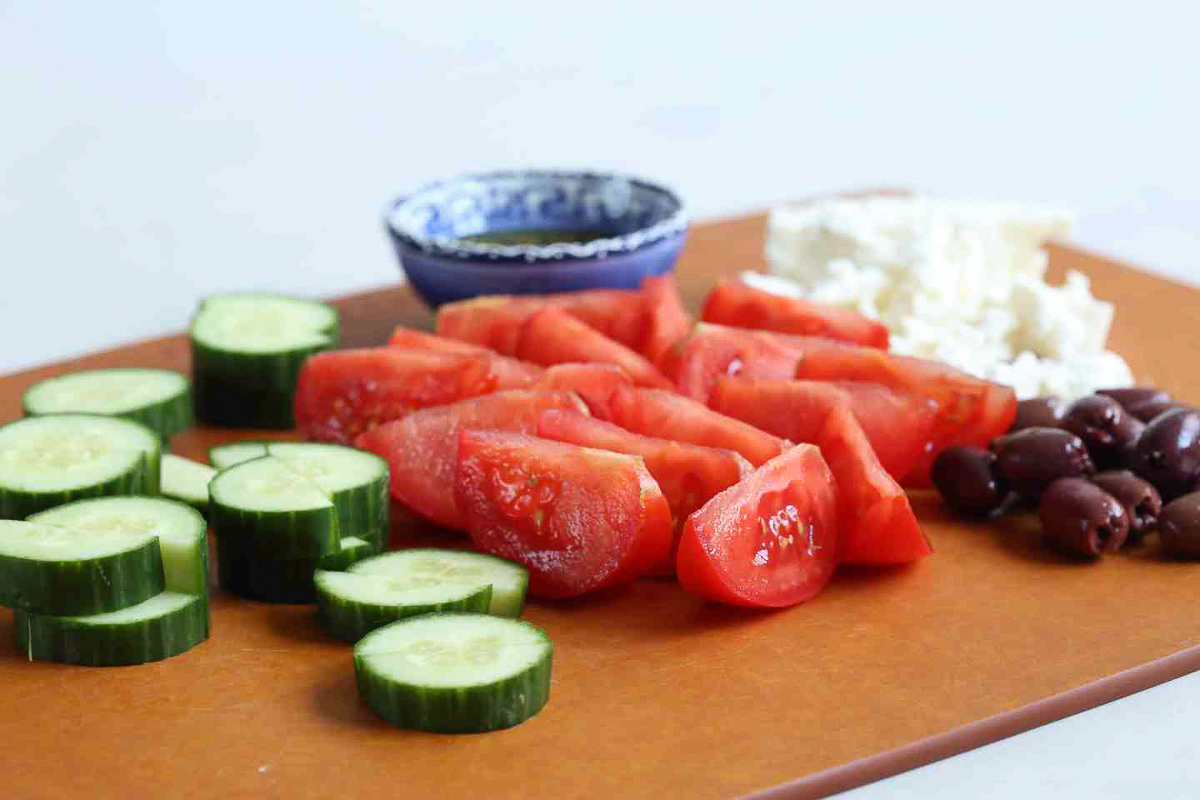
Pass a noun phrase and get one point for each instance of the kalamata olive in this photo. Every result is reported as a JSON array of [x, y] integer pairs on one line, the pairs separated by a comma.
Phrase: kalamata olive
[[1105, 427], [968, 480], [1168, 452], [1134, 398], [1140, 500], [1038, 412], [1179, 526], [1082, 519], [1030, 460], [1151, 409]]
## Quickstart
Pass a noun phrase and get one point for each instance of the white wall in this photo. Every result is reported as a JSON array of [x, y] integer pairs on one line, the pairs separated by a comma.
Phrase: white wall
[[150, 156]]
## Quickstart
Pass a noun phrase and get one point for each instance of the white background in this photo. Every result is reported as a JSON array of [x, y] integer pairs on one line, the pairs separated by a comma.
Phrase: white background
[[151, 155]]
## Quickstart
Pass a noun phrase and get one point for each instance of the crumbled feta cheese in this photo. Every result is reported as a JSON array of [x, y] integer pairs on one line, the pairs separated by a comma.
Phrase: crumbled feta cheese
[[958, 282]]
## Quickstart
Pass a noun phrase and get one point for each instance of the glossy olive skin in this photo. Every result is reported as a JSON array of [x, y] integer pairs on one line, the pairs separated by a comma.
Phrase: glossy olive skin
[[1142, 402], [1179, 526], [1081, 519], [1032, 459], [1106, 428], [968, 481], [1141, 501], [1038, 412], [1168, 452]]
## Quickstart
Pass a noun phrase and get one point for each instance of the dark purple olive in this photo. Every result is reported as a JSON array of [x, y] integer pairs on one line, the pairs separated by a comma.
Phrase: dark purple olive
[[1080, 518], [1105, 427], [1168, 452], [1179, 526], [1140, 500], [1038, 412], [1148, 411], [968, 480], [1032, 459], [1138, 400]]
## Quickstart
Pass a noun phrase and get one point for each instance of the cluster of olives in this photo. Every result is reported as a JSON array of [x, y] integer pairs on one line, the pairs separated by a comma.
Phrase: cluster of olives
[[1103, 471]]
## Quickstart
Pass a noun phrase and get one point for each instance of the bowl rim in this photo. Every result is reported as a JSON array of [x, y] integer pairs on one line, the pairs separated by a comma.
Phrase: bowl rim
[[458, 249]]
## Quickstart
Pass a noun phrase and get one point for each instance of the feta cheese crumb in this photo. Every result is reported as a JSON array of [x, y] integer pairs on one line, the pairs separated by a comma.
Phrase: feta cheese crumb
[[959, 282]]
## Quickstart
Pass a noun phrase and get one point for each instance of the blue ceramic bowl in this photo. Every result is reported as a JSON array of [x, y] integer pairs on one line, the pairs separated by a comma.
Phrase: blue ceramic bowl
[[644, 226]]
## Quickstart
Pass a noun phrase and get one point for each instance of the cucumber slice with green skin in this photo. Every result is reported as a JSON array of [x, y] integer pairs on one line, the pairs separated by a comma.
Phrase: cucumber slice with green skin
[[181, 531], [247, 351], [163, 626], [256, 577], [349, 606], [455, 673], [354, 549], [160, 399], [50, 460], [186, 480], [47, 569], [262, 507], [224, 456], [432, 566]]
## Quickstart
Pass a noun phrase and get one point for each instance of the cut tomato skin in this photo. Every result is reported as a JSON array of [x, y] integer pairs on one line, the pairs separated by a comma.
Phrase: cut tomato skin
[[342, 393], [669, 415], [421, 449], [688, 475], [877, 522], [769, 541], [579, 519], [711, 350], [553, 336], [734, 303], [899, 425], [594, 383]]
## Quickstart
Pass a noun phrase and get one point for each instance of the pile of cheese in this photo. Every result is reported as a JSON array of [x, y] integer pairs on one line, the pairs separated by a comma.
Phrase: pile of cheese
[[958, 282]]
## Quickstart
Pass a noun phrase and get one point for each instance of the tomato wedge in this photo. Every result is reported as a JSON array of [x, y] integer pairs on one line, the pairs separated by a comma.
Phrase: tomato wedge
[[734, 303], [411, 339], [663, 413], [877, 523], [710, 350], [898, 424], [689, 475], [579, 519], [666, 322], [421, 448], [594, 383], [491, 321], [341, 393], [553, 336], [766, 542]]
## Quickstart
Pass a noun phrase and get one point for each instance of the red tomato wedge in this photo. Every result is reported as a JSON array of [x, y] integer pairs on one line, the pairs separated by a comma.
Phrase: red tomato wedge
[[666, 321], [411, 339], [341, 393], [493, 321], [553, 336], [877, 523], [421, 448], [766, 542], [897, 424], [579, 519], [666, 414], [694, 362], [688, 474], [594, 383], [734, 303]]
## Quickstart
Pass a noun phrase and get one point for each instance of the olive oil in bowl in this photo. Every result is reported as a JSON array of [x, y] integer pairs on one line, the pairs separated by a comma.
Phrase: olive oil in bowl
[[541, 236]]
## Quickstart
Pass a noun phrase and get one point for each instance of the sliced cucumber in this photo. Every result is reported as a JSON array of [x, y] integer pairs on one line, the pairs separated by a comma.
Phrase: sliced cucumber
[[166, 625], [261, 507], [356, 482], [51, 570], [186, 480], [431, 566], [247, 351], [353, 549], [349, 605], [51, 460], [224, 456], [454, 672], [158, 398], [181, 532]]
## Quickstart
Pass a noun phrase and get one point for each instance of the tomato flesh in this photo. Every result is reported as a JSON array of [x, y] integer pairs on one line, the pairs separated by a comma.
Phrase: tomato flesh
[[898, 424], [553, 336], [877, 523], [689, 475], [666, 414], [421, 448], [341, 393], [666, 320], [711, 350], [770, 540], [594, 383], [411, 339], [734, 303], [579, 519]]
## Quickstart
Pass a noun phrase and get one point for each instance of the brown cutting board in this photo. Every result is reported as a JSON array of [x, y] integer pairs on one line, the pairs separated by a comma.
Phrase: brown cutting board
[[655, 693]]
